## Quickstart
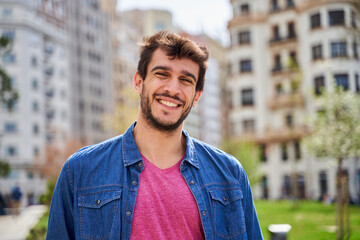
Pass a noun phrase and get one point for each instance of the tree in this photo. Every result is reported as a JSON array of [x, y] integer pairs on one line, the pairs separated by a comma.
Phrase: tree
[[336, 134], [248, 154], [125, 112], [8, 95]]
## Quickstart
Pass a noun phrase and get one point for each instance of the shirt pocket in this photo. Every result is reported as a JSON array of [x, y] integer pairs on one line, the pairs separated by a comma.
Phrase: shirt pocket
[[97, 213], [228, 212]]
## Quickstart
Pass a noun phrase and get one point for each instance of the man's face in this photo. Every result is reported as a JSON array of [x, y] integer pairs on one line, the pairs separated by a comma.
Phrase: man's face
[[168, 92]]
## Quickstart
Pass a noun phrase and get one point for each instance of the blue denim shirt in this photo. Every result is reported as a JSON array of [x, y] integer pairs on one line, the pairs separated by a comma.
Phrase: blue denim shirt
[[95, 195]]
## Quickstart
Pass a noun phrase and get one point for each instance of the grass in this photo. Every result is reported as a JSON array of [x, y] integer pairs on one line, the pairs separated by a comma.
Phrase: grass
[[39, 230], [308, 220]]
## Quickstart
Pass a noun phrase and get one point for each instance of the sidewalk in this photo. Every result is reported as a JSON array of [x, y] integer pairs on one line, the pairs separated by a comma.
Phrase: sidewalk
[[17, 228]]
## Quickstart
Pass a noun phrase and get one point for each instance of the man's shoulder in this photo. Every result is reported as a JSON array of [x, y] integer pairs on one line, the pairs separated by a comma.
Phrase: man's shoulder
[[97, 151], [204, 149]]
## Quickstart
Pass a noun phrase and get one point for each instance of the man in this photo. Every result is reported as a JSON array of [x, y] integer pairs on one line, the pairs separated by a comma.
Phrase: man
[[16, 195], [155, 181]]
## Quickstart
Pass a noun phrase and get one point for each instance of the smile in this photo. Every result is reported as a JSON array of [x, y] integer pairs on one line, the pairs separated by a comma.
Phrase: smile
[[169, 104]]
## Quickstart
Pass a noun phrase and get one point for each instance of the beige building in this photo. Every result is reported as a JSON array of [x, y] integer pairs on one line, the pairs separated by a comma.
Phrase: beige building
[[281, 54]]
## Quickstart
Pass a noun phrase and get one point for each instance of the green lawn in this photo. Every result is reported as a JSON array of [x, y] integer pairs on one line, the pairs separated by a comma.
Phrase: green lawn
[[309, 220]]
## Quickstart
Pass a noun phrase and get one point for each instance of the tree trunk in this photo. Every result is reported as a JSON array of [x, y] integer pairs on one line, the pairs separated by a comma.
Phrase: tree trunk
[[342, 204]]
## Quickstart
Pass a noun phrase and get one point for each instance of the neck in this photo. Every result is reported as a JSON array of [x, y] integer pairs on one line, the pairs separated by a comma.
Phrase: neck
[[163, 149]]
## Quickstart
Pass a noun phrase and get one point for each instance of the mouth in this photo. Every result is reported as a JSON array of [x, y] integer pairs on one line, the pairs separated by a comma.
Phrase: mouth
[[169, 101]]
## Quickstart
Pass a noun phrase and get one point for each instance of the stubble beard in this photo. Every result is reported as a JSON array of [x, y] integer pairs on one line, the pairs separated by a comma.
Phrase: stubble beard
[[153, 121]]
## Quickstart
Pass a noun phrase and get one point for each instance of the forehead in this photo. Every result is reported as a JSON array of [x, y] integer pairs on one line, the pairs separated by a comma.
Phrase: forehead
[[159, 58]]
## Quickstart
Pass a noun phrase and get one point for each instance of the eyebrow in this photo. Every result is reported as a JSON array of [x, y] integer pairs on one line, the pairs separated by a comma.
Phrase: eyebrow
[[168, 69]]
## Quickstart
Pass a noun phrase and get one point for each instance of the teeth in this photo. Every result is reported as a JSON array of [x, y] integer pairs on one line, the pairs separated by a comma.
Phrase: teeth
[[169, 104]]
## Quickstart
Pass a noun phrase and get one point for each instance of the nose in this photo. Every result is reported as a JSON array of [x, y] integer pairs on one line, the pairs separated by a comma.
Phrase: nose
[[172, 86]]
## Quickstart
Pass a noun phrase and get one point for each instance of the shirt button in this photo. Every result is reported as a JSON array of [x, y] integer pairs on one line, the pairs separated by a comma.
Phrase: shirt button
[[182, 164], [140, 164], [128, 213], [203, 213], [192, 182], [134, 183], [224, 198], [98, 202]]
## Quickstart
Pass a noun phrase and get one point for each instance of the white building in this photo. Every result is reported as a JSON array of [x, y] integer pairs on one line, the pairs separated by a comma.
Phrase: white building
[[271, 98], [38, 67]]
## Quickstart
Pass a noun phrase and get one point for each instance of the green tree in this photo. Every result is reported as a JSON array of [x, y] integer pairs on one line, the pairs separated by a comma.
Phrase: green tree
[[335, 134], [248, 154], [8, 95]]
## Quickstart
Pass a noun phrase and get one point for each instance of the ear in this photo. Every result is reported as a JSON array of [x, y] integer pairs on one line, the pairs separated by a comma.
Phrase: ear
[[196, 98], [138, 83]]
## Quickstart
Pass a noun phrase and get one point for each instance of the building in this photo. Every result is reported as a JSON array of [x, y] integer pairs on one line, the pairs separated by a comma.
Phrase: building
[[38, 67], [90, 69], [281, 54], [206, 119]]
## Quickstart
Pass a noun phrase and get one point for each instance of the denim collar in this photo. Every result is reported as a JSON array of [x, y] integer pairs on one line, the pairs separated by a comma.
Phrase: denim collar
[[131, 153]]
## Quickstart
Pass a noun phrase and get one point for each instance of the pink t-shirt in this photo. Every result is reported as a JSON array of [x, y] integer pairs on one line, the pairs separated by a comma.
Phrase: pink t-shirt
[[165, 207]]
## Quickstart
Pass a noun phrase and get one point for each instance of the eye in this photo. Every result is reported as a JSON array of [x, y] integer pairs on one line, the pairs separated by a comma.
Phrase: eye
[[187, 80], [161, 74]]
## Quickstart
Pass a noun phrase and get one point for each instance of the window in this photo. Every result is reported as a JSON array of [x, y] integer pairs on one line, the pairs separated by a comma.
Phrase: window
[[338, 49], [277, 61], [297, 150], [290, 3], [244, 8], [276, 34], [319, 83], [9, 34], [284, 152], [35, 84], [342, 80], [10, 127], [11, 151], [336, 17], [279, 89], [289, 120], [248, 126], [244, 37], [293, 58], [7, 12], [34, 62], [286, 186], [247, 97], [355, 50], [275, 5], [353, 19], [36, 129], [317, 52], [357, 83], [315, 21], [35, 107], [291, 30], [245, 66], [9, 58], [323, 184], [263, 153]]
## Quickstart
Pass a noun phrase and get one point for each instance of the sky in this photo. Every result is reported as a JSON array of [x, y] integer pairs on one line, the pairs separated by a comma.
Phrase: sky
[[194, 16]]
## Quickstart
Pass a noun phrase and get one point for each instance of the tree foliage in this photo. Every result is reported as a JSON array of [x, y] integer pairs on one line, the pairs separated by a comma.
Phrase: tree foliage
[[248, 154], [336, 127], [125, 112], [4, 168], [8, 95]]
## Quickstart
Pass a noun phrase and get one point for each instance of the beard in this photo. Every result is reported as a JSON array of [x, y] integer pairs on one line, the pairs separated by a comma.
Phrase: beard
[[163, 126]]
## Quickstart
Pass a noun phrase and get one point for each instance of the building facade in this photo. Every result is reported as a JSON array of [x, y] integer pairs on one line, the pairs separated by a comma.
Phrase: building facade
[[282, 53], [38, 67]]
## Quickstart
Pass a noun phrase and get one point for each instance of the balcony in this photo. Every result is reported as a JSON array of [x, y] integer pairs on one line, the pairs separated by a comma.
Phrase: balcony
[[284, 134], [283, 41], [286, 100]]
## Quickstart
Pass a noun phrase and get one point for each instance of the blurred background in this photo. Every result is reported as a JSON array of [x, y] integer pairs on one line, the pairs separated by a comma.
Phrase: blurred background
[[281, 90]]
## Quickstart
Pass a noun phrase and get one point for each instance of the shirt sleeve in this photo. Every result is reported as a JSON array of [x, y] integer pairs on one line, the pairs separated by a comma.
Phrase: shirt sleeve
[[253, 229], [61, 221]]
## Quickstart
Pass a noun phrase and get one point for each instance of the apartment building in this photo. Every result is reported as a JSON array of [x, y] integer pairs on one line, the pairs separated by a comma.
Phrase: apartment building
[[282, 53], [90, 69], [38, 68]]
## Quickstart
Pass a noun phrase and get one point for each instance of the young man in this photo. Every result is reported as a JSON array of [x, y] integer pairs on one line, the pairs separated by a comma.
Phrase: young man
[[155, 181]]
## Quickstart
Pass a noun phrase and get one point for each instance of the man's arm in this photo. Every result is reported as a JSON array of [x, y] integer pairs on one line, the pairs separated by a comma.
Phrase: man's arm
[[251, 220], [61, 221]]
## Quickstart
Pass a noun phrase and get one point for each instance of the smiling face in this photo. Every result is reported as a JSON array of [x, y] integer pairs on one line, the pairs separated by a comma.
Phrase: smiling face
[[168, 92]]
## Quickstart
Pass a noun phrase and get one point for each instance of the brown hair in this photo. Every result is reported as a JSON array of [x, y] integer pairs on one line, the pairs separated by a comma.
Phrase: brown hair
[[175, 46]]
